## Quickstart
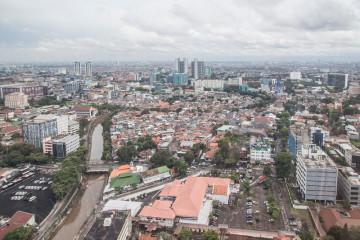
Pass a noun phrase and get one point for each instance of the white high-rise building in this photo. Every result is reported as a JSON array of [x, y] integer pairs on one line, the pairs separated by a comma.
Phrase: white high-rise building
[[349, 186], [197, 69], [295, 75], [77, 68], [316, 174], [88, 69]]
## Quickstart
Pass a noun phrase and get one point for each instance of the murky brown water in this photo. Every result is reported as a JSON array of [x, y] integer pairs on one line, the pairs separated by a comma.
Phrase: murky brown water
[[88, 199]]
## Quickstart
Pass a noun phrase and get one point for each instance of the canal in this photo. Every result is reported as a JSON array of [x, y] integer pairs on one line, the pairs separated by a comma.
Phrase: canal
[[89, 197]]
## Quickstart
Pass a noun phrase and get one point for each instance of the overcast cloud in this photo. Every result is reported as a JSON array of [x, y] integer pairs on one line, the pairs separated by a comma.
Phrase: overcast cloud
[[67, 30]]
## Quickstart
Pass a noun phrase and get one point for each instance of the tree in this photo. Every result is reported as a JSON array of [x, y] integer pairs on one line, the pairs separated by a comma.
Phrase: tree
[[246, 186], [145, 143], [189, 156], [161, 158], [126, 153], [210, 235], [181, 167], [305, 234], [267, 171], [283, 164], [336, 232], [22, 233], [185, 234]]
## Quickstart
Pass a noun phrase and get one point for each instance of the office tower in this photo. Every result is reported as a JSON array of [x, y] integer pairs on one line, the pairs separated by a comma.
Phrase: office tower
[[88, 69], [180, 79], [318, 136], [154, 77], [338, 80], [295, 75], [316, 174], [77, 69], [39, 128], [197, 69], [181, 66], [349, 186]]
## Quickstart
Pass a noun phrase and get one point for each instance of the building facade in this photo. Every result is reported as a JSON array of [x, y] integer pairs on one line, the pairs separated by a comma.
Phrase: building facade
[[349, 186], [316, 174], [16, 100], [37, 129], [338, 80], [260, 152], [64, 145]]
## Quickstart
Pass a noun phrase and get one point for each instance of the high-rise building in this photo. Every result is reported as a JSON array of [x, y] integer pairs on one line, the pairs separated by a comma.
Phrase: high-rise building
[[349, 186], [77, 68], [154, 77], [37, 129], [181, 66], [295, 75], [180, 79], [298, 136], [88, 69], [16, 100], [197, 69], [338, 80], [318, 136], [316, 174]]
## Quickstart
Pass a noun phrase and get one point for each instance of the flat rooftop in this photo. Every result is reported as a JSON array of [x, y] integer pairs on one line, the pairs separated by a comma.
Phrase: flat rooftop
[[107, 226]]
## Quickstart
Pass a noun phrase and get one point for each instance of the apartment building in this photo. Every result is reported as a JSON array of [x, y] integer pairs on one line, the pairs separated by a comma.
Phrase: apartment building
[[16, 100], [260, 152]]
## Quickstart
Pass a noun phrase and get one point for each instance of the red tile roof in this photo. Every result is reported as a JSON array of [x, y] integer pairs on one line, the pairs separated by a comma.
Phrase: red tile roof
[[18, 220]]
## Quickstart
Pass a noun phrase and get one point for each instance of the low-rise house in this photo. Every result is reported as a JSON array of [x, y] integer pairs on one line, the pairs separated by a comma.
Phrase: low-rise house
[[333, 217], [155, 174], [19, 219], [85, 111]]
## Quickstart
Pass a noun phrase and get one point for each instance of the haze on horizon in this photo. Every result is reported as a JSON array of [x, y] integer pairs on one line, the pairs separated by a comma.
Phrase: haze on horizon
[[131, 30]]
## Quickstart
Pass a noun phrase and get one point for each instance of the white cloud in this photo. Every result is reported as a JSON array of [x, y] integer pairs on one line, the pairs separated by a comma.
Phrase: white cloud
[[163, 29]]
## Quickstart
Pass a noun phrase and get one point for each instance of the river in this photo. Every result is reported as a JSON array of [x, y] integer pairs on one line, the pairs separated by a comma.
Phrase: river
[[88, 199]]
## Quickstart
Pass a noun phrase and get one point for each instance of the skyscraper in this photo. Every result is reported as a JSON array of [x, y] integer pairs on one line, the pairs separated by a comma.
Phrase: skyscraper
[[181, 66], [77, 68], [338, 80], [197, 69], [88, 69]]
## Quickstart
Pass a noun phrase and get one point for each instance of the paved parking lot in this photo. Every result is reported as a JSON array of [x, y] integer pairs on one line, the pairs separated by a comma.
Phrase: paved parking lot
[[41, 206], [235, 216]]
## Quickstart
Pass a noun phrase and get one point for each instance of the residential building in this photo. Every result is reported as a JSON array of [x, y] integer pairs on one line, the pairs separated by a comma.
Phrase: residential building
[[197, 69], [349, 186], [18, 220], [30, 90], [85, 111], [318, 136], [155, 174], [181, 66], [338, 80], [260, 152], [209, 84], [88, 69], [316, 174], [16, 100], [111, 225], [40, 127], [77, 68], [180, 79], [187, 201]]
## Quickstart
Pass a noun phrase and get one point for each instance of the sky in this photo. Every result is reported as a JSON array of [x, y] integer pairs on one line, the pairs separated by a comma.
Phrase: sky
[[161, 30]]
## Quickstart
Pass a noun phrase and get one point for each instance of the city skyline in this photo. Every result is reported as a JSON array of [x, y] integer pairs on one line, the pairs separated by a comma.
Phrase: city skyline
[[142, 31]]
